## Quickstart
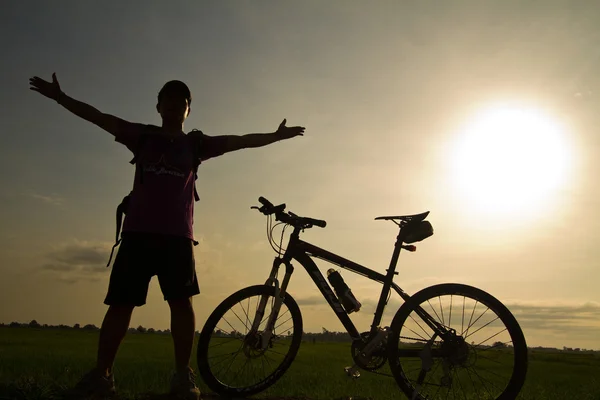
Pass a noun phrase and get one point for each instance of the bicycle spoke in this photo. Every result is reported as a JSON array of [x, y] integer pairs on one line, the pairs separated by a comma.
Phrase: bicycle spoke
[[416, 322], [473, 312], [441, 310], [474, 322], [462, 325], [460, 384], [491, 372], [276, 352], [494, 335], [482, 379], [450, 316], [222, 355], [435, 312], [233, 359], [473, 383], [499, 345], [289, 319], [235, 376], [247, 316], [452, 385], [472, 333], [234, 313], [221, 344], [235, 330], [417, 334]]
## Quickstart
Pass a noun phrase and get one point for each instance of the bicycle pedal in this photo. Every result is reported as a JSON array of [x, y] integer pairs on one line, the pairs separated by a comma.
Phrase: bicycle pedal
[[352, 372]]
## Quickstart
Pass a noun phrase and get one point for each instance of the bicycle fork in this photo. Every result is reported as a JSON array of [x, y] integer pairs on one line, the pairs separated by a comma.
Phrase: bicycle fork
[[269, 330]]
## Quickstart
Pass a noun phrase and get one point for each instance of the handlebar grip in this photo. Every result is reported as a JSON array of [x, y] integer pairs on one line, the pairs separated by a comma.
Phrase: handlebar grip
[[265, 202], [317, 222]]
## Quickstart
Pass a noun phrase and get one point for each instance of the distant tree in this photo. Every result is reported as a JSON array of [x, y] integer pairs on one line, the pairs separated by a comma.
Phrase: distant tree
[[499, 345], [132, 330], [151, 330], [2, 324], [141, 329], [76, 326], [90, 327], [34, 324], [158, 331], [15, 324]]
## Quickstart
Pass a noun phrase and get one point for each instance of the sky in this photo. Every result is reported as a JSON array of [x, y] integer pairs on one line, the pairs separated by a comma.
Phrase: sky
[[387, 91]]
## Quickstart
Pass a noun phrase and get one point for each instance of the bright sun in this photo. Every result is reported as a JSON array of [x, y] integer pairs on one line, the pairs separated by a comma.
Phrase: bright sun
[[509, 161]]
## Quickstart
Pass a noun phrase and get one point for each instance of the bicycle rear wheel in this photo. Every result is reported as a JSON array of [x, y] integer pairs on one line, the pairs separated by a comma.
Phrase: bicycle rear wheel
[[230, 359], [485, 357]]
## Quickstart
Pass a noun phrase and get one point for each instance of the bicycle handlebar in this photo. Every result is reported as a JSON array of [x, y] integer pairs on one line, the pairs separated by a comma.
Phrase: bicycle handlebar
[[288, 217]]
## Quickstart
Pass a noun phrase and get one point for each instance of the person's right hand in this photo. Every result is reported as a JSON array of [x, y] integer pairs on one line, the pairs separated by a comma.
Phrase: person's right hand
[[49, 89]]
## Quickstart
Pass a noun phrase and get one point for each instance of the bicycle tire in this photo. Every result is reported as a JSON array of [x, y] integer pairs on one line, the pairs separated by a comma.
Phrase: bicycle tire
[[203, 343], [519, 372]]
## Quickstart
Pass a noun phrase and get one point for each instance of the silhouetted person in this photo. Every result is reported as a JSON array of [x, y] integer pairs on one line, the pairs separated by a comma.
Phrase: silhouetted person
[[157, 237]]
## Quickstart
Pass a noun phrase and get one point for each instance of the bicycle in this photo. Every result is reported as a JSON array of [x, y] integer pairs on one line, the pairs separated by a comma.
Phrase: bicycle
[[426, 353]]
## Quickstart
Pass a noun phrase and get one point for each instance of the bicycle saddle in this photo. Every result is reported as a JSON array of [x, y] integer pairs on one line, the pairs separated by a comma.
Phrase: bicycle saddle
[[407, 218]]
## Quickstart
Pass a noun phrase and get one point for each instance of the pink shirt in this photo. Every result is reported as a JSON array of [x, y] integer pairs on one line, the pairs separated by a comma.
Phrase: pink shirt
[[164, 202]]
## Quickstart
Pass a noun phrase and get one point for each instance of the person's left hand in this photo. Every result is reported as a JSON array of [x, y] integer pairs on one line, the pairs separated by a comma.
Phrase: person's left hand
[[287, 132]]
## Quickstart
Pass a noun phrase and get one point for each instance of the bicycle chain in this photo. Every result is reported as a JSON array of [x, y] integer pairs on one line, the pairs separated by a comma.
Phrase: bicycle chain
[[390, 375]]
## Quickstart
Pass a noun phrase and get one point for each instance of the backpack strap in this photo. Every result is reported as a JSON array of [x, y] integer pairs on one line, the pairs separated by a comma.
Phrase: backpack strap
[[196, 155], [121, 210], [141, 141], [197, 162]]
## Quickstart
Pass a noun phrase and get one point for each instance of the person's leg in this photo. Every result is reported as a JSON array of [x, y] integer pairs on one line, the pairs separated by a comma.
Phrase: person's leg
[[113, 330], [183, 327], [178, 282], [128, 288]]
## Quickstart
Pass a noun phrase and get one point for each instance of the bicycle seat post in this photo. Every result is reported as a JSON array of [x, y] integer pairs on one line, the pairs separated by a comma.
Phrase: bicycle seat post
[[396, 253]]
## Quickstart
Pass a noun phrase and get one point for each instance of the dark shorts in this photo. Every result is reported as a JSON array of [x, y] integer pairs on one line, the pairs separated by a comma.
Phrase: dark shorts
[[143, 255]]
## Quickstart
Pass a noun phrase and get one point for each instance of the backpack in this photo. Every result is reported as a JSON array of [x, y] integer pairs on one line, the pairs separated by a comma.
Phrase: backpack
[[122, 207]]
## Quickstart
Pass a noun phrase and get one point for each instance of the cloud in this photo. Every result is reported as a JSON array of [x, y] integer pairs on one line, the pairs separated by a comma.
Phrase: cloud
[[557, 316], [53, 199], [77, 260], [311, 301]]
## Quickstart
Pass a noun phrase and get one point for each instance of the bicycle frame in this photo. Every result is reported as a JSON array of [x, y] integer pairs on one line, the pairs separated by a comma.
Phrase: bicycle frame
[[303, 252]]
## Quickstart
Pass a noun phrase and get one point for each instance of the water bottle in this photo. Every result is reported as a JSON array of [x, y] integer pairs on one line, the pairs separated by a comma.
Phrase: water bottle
[[343, 291]]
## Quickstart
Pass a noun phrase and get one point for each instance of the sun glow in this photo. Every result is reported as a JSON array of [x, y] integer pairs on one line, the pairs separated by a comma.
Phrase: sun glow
[[510, 161]]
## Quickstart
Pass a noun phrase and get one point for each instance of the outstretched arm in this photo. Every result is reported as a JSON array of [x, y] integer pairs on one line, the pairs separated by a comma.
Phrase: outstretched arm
[[251, 140], [52, 90]]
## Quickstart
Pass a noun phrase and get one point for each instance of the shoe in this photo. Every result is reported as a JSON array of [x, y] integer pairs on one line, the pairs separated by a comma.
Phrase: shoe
[[93, 385], [183, 385]]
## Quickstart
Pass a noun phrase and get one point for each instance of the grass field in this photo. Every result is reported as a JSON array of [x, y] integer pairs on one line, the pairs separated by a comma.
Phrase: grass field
[[39, 363]]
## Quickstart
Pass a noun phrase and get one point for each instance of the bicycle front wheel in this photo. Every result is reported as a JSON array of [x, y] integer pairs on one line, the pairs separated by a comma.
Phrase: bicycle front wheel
[[231, 358], [484, 355]]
